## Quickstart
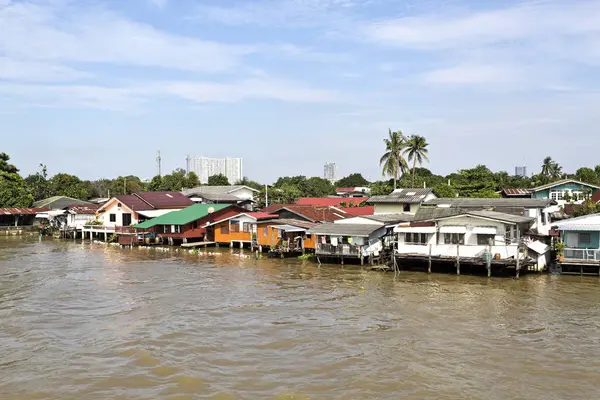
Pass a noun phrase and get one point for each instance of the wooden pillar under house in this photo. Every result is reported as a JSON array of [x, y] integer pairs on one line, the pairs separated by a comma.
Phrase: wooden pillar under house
[[458, 259], [429, 260]]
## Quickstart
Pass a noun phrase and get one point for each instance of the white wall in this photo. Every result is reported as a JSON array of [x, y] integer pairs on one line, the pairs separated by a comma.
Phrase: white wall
[[113, 208], [244, 194], [358, 221], [77, 221], [394, 209], [470, 223]]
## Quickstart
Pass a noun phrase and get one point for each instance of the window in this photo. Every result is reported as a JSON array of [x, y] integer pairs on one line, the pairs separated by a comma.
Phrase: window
[[195, 225], [309, 236], [119, 205], [113, 217], [484, 240], [266, 231], [406, 207], [126, 219], [246, 226], [556, 194], [175, 229], [585, 238], [454, 238], [416, 238], [165, 228], [234, 226]]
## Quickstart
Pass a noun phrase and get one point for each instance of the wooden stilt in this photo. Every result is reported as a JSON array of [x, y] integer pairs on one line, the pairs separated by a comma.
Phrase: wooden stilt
[[518, 266], [429, 260], [489, 259], [458, 259]]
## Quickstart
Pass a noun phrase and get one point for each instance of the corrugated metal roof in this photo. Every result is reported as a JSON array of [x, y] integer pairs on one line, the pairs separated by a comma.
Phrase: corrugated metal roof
[[314, 214], [205, 191], [359, 211], [182, 217], [360, 230], [516, 192], [260, 215], [391, 218], [58, 202], [580, 227], [289, 228], [292, 222], [133, 202], [405, 196], [562, 182], [22, 210], [83, 209], [330, 201], [468, 202], [165, 199], [511, 218]]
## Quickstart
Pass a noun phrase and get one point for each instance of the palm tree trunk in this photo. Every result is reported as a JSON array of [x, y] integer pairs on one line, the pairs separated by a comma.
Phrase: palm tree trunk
[[414, 168]]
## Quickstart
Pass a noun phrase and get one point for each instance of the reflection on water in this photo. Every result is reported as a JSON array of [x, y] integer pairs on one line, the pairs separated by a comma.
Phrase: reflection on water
[[81, 321]]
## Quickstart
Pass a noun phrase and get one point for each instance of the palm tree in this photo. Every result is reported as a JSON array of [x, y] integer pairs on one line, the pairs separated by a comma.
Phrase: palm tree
[[547, 167], [393, 162], [416, 148]]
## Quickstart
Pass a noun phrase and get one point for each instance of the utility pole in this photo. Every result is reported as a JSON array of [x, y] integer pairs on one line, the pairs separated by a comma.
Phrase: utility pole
[[266, 196], [158, 164]]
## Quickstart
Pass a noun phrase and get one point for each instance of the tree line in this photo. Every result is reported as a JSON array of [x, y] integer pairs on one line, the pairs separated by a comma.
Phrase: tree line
[[401, 165]]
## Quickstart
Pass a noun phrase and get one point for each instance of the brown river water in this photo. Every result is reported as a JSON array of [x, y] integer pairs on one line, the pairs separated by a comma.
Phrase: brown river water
[[83, 321]]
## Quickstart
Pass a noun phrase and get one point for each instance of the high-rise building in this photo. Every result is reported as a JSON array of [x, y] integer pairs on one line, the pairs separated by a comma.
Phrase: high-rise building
[[330, 172], [521, 171], [206, 167]]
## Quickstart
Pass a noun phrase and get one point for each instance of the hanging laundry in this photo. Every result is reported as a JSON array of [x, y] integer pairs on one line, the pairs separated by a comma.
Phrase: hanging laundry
[[334, 241]]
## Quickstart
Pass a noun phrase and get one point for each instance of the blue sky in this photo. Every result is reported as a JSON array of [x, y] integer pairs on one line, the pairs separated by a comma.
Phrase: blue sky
[[95, 88]]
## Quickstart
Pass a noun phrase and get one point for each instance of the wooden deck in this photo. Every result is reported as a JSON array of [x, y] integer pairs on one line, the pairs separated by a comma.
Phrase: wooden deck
[[198, 244]]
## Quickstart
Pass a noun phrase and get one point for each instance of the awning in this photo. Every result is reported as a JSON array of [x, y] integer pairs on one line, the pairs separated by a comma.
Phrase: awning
[[288, 228], [415, 229], [453, 229], [154, 213], [485, 230]]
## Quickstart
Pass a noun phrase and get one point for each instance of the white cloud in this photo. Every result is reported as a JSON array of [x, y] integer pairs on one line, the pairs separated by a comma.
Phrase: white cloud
[[159, 3], [475, 74], [11, 69], [531, 20], [30, 31]]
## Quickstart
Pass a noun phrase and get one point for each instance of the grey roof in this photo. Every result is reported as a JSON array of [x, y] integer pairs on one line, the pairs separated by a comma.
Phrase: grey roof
[[580, 228], [58, 202], [511, 218], [339, 229], [562, 182], [215, 193], [405, 196], [467, 202], [389, 218], [431, 213]]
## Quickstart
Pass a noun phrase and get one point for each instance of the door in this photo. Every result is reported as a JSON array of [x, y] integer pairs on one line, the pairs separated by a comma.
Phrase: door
[[126, 219], [572, 239]]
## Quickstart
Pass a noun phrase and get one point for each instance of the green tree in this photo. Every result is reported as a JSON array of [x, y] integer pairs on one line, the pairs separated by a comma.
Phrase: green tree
[[250, 183], [155, 184], [13, 191], [485, 193], [174, 182], [551, 169], [318, 187], [192, 180], [471, 182], [394, 164], [587, 175], [102, 188], [352, 180], [381, 188], [218, 180], [69, 185], [127, 185], [38, 184], [445, 190], [416, 150], [588, 207]]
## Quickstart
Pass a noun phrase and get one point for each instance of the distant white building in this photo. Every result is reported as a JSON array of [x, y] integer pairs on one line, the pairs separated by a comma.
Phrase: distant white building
[[330, 171], [206, 167], [521, 171]]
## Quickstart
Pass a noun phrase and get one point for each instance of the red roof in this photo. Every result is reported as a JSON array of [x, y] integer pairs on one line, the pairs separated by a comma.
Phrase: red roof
[[596, 197], [260, 215], [319, 214], [345, 190], [83, 209], [330, 201], [22, 211], [161, 200], [357, 211], [516, 192], [133, 202], [274, 207]]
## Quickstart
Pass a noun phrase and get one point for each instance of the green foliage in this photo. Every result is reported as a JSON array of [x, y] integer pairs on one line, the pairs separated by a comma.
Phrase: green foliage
[[38, 184], [69, 185], [155, 183], [250, 183], [472, 182], [381, 188], [587, 175], [393, 162], [13, 190], [218, 180], [551, 169], [416, 149], [587, 207], [445, 190], [306, 257], [192, 180], [559, 248], [318, 187], [126, 185], [485, 193], [352, 180]]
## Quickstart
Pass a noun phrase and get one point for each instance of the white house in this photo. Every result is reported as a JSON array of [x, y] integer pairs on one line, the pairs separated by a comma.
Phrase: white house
[[471, 234], [400, 201], [237, 194], [353, 240]]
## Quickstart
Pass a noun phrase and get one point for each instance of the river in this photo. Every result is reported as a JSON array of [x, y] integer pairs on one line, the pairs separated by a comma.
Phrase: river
[[83, 321]]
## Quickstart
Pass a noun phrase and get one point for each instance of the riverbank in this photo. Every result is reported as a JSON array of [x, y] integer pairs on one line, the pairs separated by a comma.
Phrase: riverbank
[[82, 320]]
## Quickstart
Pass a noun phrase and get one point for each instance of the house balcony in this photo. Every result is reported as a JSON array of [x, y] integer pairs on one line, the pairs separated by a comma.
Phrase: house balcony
[[119, 230], [341, 250], [584, 256], [453, 250]]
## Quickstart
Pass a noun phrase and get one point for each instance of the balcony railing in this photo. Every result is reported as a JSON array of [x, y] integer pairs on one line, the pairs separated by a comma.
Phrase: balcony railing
[[109, 229], [339, 250], [590, 255]]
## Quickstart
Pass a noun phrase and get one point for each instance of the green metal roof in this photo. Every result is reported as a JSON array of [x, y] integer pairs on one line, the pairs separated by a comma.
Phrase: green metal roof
[[182, 217]]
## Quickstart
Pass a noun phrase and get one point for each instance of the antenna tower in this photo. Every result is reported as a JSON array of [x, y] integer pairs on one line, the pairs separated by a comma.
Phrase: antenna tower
[[159, 164]]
